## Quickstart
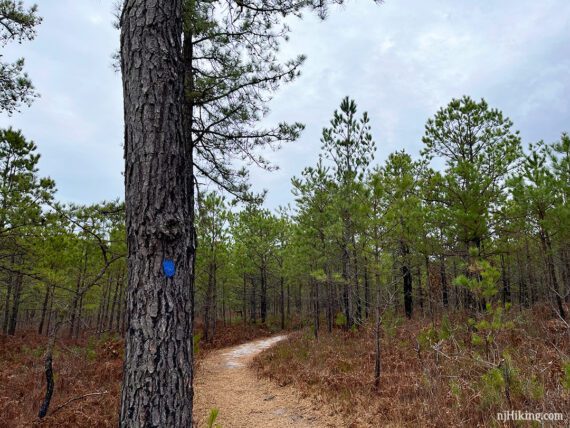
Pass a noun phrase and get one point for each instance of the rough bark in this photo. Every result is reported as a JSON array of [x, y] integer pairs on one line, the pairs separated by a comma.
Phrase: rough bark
[[157, 379]]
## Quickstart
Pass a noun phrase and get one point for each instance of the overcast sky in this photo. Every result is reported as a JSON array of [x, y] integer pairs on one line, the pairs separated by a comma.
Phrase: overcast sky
[[401, 61]]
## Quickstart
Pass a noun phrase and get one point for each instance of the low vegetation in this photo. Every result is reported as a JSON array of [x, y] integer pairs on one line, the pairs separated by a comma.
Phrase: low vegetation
[[434, 373], [87, 379]]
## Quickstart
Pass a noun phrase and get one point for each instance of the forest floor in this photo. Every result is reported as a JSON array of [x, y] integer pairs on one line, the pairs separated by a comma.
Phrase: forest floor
[[435, 373], [89, 365], [225, 381]]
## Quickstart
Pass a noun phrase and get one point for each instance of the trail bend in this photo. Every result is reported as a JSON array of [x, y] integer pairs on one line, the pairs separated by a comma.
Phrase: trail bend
[[225, 381]]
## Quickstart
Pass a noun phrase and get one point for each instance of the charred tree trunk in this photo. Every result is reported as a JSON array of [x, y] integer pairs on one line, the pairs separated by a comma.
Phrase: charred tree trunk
[[157, 377]]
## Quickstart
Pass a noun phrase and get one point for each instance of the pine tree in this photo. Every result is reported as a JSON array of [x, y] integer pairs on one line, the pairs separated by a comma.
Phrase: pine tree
[[18, 24]]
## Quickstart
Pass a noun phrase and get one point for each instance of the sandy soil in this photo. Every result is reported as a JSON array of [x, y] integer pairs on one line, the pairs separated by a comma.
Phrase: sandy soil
[[225, 381]]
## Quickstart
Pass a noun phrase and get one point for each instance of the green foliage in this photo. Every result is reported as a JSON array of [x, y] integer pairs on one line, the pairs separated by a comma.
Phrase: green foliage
[[18, 24], [533, 388], [455, 389], [432, 335], [566, 375], [391, 320], [211, 422], [480, 151], [196, 342], [492, 386], [340, 319], [483, 279]]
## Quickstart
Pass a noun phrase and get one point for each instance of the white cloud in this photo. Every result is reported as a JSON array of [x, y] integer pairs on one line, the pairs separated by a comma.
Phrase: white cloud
[[401, 61]]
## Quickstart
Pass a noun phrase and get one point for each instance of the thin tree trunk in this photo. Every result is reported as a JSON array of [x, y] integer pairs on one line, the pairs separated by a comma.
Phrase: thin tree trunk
[[555, 288], [208, 304], [366, 290], [443, 276], [79, 318], [407, 276], [244, 302], [377, 349], [74, 307], [114, 304], [506, 282], [253, 301], [15, 304], [214, 313], [44, 309], [346, 287], [7, 303], [317, 312], [282, 302], [329, 300], [263, 304], [121, 304]]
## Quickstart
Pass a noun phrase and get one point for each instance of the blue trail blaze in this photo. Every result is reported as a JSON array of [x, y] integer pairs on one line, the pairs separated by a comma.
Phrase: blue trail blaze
[[168, 268]]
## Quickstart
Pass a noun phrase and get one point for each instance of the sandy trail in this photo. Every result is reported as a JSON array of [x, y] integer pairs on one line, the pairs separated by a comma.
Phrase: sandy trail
[[225, 381]]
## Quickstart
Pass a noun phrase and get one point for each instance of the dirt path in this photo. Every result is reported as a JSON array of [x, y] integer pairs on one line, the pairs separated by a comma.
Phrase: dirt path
[[225, 381]]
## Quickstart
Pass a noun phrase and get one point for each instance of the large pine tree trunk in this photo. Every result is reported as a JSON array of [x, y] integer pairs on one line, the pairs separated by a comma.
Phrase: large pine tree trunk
[[157, 380]]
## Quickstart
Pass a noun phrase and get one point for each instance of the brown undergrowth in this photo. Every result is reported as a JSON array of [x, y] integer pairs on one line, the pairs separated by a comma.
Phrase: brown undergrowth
[[81, 366], [434, 374]]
